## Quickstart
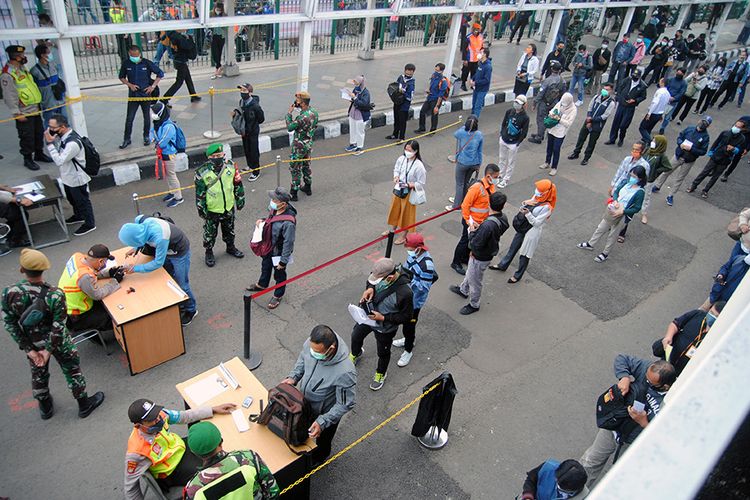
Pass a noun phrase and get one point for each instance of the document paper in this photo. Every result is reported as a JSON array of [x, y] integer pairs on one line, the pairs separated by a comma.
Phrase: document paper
[[206, 389], [358, 314]]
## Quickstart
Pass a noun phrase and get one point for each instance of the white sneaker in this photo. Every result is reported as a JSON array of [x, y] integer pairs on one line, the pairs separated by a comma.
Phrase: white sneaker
[[399, 342], [405, 358], [452, 199], [553, 171], [543, 166]]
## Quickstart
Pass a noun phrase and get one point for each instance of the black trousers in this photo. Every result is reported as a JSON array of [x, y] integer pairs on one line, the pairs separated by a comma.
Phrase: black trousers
[[97, 317], [383, 341], [704, 99], [621, 122], [323, 448], [648, 124], [467, 70], [78, 197], [713, 170], [182, 76], [427, 109], [410, 331], [732, 166], [592, 135], [217, 47], [399, 121], [130, 117], [30, 133], [729, 89], [685, 104], [461, 253], [657, 69], [518, 27], [252, 152], [266, 268], [12, 215], [515, 246]]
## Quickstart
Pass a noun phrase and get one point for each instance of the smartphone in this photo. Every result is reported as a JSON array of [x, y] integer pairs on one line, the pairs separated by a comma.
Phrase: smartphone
[[367, 306], [638, 406], [247, 402]]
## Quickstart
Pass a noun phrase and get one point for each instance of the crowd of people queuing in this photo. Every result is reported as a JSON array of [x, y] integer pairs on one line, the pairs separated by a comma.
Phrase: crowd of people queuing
[[394, 293]]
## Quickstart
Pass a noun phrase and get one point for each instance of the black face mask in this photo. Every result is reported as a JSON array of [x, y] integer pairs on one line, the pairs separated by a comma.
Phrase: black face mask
[[636, 77], [245, 95], [679, 76], [218, 162], [23, 60]]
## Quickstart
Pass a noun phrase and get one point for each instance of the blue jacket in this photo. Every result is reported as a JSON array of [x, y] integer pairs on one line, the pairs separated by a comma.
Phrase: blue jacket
[[407, 83], [471, 150], [438, 86], [483, 76], [742, 73], [361, 101], [157, 234], [166, 137], [546, 485], [676, 89], [139, 74], [422, 269], [732, 271], [700, 140], [624, 52]]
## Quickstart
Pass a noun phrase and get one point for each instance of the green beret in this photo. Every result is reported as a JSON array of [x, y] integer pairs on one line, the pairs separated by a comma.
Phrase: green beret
[[203, 438], [216, 147]]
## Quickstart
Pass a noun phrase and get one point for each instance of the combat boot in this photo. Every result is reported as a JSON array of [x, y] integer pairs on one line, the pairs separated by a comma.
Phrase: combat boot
[[293, 194], [46, 408], [88, 404], [210, 260], [235, 252], [307, 189]]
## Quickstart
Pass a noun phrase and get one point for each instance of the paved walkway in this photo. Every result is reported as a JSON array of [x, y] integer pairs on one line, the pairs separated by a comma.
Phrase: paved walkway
[[328, 74]]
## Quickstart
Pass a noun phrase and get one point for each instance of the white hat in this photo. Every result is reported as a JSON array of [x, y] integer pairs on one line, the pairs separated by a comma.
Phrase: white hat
[[520, 99]]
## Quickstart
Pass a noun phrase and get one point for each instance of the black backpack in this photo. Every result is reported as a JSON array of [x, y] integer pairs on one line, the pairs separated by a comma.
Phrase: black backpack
[[190, 49], [394, 92], [554, 92], [287, 415], [93, 161], [612, 412]]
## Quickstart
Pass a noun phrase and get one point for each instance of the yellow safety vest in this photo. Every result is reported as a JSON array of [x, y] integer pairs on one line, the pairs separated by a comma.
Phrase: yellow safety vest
[[219, 189], [28, 92], [76, 300], [165, 452], [240, 491], [117, 15]]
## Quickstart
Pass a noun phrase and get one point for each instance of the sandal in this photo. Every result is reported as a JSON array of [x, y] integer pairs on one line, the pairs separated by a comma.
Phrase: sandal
[[496, 267], [512, 280], [385, 233], [399, 241], [274, 302], [621, 239], [601, 257], [255, 288], [704, 195]]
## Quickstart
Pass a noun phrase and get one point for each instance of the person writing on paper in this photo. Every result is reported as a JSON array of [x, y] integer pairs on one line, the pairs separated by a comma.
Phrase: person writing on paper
[[220, 469], [153, 449], [326, 376], [10, 210], [283, 219], [169, 246], [83, 292]]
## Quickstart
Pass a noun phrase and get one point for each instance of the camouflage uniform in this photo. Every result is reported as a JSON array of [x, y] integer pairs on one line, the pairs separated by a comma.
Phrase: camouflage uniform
[[213, 220], [50, 335], [265, 485], [572, 39], [304, 131]]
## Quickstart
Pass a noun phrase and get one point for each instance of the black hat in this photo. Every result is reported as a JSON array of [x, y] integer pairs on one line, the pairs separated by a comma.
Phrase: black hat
[[100, 251], [143, 410], [571, 476], [13, 50]]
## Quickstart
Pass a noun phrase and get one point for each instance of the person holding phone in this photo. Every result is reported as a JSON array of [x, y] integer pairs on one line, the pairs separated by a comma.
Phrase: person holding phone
[[409, 174]]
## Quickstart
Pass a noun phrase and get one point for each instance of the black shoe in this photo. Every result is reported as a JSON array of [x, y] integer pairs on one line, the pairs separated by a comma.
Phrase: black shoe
[[23, 243], [235, 252], [125, 144], [585, 161], [619, 143], [40, 156], [307, 189], [661, 131], [187, 317], [573, 156], [468, 309], [420, 130], [84, 229], [535, 139], [73, 220], [609, 143], [459, 269], [89, 404], [146, 141], [195, 98], [391, 137], [46, 408], [723, 178], [463, 86], [30, 164], [293, 194], [457, 290], [210, 260]]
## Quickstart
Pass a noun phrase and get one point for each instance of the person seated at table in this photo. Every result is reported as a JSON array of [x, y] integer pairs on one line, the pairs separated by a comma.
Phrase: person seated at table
[[10, 210], [153, 449], [83, 292], [221, 470]]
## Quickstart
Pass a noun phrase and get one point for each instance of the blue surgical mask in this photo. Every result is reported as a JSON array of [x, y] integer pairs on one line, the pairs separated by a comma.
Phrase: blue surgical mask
[[320, 356], [537, 193], [156, 428], [632, 181], [735, 130], [605, 93], [135, 59], [272, 205], [50, 57], [710, 318], [382, 285]]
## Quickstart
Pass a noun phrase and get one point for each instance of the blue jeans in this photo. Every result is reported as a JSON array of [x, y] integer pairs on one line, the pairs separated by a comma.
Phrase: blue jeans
[[160, 49], [179, 269], [553, 150], [46, 115], [577, 80], [477, 102]]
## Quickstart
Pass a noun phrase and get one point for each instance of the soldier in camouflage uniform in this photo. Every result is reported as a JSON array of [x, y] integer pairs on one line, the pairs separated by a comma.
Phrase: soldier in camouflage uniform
[[48, 337], [204, 440], [304, 132], [218, 190], [572, 36]]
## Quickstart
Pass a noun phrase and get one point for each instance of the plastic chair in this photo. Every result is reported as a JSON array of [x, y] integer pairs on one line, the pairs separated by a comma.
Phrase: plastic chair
[[84, 335]]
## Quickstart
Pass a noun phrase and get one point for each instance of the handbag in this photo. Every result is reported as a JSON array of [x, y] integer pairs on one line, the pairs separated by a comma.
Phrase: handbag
[[550, 122], [520, 223], [454, 158], [402, 190], [417, 195]]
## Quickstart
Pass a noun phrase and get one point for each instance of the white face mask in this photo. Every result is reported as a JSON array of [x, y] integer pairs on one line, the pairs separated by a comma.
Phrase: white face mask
[[537, 193], [409, 154], [604, 45], [653, 145], [375, 281], [154, 116]]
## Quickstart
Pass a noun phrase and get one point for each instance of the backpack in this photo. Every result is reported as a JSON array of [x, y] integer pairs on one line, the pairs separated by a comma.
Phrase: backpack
[[180, 143], [36, 313], [612, 412], [265, 245], [287, 415], [238, 121], [191, 50], [554, 92], [447, 92], [158, 215], [394, 92], [93, 161]]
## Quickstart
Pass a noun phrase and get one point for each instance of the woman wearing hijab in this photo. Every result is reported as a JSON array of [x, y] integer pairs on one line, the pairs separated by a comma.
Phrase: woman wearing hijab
[[528, 224], [658, 164], [359, 114], [468, 158], [164, 135], [561, 117], [626, 201], [409, 175]]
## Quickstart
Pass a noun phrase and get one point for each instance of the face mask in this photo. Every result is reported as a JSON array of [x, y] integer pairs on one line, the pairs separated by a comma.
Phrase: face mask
[[50, 57], [604, 45], [157, 427], [375, 282], [537, 193], [245, 95], [605, 94], [517, 107], [217, 161], [217, 12], [23, 60], [154, 117], [636, 77], [562, 494], [135, 59], [670, 44], [54, 132], [735, 130], [710, 318], [409, 154], [632, 181], [496, 181], [382, 286], [638, 40], [652, 145], [411, 253], [320, 356], [679, 76], [272, 205], [625, 40]]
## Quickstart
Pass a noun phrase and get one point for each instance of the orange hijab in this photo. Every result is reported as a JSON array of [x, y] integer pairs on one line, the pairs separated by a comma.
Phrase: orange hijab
[[549, 193]]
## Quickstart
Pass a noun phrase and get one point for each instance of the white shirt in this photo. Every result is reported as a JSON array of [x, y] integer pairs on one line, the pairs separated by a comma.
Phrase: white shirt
[[70, 174], [660, 102]]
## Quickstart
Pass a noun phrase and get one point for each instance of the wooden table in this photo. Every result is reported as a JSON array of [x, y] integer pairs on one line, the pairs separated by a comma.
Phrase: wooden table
[[285, 465], [146, 322], [53, 198]]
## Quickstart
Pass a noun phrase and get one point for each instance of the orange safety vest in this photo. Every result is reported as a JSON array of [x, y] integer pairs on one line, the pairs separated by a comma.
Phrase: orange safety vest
[[77, 302], [476, 203], [475, 45], [164, 453]]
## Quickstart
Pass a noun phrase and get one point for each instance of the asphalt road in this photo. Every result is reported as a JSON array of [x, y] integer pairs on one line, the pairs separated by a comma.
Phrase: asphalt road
[[528, 366]]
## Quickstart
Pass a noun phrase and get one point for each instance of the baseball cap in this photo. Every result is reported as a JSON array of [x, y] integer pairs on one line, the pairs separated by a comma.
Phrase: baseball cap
[[708, 120], [100, 251], [520, 99], [280, 194], [382, 268], [143, 410], [415, 240], [247, 86], [33, 260], [203, 438]]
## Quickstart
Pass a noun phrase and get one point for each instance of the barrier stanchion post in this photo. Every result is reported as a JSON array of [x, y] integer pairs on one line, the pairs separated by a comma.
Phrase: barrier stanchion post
[[211, 134], [254, 358], [389, 245], [278, 170], [135, 204]]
